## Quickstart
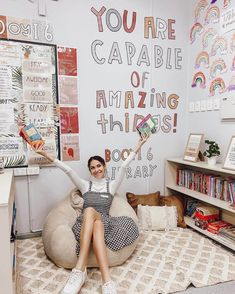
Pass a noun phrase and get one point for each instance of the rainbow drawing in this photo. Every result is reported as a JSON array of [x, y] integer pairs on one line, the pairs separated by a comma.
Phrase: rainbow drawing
[[232, 43], [231, 86], [226, 3], [210, 34], [199, 78], [212, 15], [202, 57], [218, 66], [215, 84], [196, 29], [219, 43], [201, 5], [233, 64]]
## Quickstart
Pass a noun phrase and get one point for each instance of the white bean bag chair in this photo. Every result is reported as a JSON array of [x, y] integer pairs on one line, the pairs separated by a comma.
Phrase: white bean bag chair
[[59, 240]]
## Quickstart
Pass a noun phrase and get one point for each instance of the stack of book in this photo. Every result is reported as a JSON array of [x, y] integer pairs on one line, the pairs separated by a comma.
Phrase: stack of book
[[228, 233], [217, 226]]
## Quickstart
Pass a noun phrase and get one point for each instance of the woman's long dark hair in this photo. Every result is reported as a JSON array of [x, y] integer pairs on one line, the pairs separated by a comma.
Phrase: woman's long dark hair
[[96, 157]]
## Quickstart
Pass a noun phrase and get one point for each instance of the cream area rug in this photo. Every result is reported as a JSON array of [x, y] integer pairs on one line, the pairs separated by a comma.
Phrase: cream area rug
[[163, 262]]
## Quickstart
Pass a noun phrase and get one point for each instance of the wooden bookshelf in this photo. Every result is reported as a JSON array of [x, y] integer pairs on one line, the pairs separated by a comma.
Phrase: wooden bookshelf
[[227, 212], [7, 251]]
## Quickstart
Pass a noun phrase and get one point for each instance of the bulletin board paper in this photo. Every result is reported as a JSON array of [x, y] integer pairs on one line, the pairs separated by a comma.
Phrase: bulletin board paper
[[28, 93]]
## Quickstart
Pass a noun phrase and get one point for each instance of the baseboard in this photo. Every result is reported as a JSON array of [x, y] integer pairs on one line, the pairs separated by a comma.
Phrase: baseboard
[[29, 235]]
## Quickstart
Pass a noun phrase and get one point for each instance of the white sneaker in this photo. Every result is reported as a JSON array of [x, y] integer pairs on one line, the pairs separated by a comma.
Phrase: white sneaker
[[109, 288], [75, 282]]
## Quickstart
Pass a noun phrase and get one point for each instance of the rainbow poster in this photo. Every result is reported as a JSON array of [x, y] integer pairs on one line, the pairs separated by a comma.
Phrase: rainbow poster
[[220, 43], [218, 66], [212, 15], [210, 34], [196, 29], [217, 83], [201, 5], [199, 78], [202, 58]]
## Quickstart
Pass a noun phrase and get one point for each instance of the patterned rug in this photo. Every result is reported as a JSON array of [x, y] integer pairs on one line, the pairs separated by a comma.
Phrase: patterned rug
[[163, 262]]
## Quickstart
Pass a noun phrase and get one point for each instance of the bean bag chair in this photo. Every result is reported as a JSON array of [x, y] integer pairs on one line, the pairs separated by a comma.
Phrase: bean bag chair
[[59, 240]]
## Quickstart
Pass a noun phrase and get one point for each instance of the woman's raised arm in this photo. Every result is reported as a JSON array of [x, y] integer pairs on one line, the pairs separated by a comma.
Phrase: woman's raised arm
[[121, 173], [80, 183]]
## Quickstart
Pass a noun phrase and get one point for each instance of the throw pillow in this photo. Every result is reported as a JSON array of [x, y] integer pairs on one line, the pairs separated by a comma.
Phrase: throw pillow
[[152, 199], [178, 202], [157, 217]]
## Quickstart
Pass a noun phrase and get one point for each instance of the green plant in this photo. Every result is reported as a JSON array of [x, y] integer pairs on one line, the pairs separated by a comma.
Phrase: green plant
[[212, 149]]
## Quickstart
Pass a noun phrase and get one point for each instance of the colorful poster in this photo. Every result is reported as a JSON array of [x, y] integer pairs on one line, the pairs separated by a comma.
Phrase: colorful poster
[[6, 118], [28, 92], [5, 82], [36, 66], [40, 115], [37, 52], [12, 147], [9, 54], [70, 147], [37, 81], [67, 59], [69, 120], [68, 93], [37, 95]]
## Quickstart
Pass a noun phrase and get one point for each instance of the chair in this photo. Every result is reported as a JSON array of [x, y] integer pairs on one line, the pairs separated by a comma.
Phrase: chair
[[59, 240]]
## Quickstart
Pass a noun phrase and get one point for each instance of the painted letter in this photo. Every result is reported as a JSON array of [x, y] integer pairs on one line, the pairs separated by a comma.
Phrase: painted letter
[[93, 51], [98, 15], [133, 22]]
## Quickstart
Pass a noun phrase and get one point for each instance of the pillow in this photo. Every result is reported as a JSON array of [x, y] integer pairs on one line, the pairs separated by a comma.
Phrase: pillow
[[152, 199], [178, 202], [157, 217]]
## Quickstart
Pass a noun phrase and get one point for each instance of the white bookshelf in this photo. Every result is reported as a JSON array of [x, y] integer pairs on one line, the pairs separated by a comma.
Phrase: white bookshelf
[[228, 213], [7, 195]]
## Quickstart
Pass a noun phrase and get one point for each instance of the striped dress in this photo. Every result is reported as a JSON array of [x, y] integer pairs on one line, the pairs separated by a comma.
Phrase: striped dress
[[118, 231]]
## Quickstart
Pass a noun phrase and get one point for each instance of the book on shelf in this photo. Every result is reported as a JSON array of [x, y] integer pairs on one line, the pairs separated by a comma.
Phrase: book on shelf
[[191, 205], [215, 227], [228, 233], [215, 186], [147, 126], [31, 135]]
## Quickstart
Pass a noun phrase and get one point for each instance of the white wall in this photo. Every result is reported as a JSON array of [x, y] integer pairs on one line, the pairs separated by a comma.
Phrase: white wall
[[209, 122], [76, 26]]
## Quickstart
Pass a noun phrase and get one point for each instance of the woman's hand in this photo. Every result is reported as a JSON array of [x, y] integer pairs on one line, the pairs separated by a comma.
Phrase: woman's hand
[[39, 150], [142, 140]]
